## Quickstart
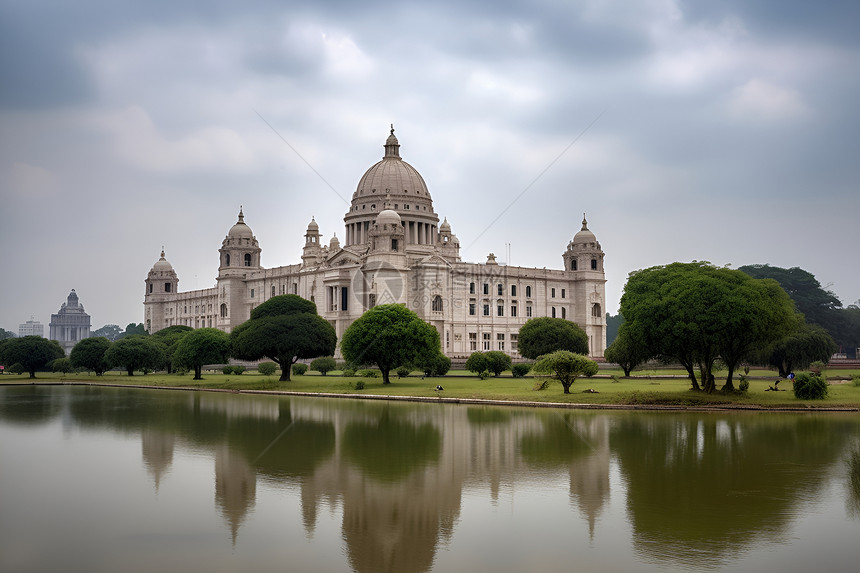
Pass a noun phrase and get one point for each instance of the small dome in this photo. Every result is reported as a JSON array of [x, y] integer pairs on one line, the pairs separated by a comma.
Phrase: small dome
[[388, 217], [334, 244], [162, 264], [584, 235], [240, 230], [445, 227], [313, 226]]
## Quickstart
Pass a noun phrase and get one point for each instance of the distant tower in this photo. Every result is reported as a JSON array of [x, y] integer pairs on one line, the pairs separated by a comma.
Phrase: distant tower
[[161, 284], [70, 324], [31, 328]]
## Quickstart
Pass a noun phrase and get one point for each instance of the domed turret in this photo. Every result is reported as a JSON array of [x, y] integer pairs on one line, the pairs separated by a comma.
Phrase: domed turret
[[239, 249], [334, 244], [240, 230], [583, 252], [161, 265], [312, 252], [388, 217], [161, 278]]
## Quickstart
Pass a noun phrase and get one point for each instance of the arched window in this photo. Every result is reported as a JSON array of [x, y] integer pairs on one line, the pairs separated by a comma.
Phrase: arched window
[[150, 287], [553, 312], [223, 310], [595, 310], [573, 265], [227, 260], [528, 291], [563, 312], [594, 264], [166, 287], [247, 260], [273, 290], [437, 303]]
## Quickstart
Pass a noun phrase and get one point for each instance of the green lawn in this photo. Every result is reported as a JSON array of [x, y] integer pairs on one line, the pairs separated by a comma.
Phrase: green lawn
[[659, 387]]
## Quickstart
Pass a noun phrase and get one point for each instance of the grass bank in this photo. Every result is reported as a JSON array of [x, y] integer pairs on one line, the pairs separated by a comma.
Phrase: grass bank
[[659, 388]]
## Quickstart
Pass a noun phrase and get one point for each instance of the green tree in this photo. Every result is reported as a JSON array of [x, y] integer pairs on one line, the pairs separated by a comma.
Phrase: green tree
[[798, 350], [389, 335], [32, 352], [169, 339], [267, 368], [200, 347], [477, 363], [324, 364], [89, 354], [815, 303], [133, 329], [539, 336], [135, 353], [435, 364], [63, 365], [696, 313], [565, 366], [110, 331], [285, 329], [625, 351], [4, 334], [613, 324], [497, 362]]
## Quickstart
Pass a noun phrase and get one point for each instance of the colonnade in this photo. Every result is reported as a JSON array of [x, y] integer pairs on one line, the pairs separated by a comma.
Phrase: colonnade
[[417, 233]]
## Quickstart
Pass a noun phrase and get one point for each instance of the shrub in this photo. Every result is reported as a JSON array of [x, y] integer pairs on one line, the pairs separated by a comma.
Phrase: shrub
[[484, 374], [324, 364], [809, 387], [359, 385], [227, 369], [17, 368], [180, 371], [299, 368], [855, 379], [63, 365], [403, 371], [477, 363], [497, 362], [237, 370], [816, 367], [349, 372], [542, 384], [743, 385], [439, 365], [368, 373], [267, 368], [520, 370]]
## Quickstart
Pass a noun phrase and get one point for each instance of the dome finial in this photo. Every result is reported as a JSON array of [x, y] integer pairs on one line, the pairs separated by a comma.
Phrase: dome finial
[[392, 146], [162, 251], [241, 215], [584, 223]]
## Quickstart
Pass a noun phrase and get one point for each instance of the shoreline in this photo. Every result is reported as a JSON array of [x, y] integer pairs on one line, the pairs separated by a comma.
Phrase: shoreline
[[470, 401]]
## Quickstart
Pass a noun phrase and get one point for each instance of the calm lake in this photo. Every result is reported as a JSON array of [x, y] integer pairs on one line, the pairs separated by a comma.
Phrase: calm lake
[[115, 479]]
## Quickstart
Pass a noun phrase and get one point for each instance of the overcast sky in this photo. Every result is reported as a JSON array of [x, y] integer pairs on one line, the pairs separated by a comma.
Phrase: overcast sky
[[726, 132]]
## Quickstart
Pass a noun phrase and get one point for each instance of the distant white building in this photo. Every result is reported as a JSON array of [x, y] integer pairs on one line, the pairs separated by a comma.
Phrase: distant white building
[[395, 251], [31, 328], [70, 324]]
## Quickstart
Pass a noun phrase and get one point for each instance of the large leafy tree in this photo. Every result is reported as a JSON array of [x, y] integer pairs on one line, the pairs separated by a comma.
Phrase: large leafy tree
[[626, 351], [110, 331], [200, 347], [169, 339], [817, 304], [543, 335], [389, 335], [135, 353], [801, 348], [696, 313], [565, 366], [4, 334], [31, 352], [284, 329], [89, 354], [133, 329]]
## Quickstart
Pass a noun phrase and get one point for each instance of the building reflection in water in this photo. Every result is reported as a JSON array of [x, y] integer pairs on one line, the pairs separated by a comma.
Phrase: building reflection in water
[[157, 450]]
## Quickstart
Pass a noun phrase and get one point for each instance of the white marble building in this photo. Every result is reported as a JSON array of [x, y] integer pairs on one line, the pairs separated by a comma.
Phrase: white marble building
[[71, 324], [395, 251]]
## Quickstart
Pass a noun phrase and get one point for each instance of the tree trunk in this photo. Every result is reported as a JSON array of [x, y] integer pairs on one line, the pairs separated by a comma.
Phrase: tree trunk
[[692, 374], [198, 373], [385, 378], [130, 371], [566, 387], [286, 368], [729, 386], [32, 372]]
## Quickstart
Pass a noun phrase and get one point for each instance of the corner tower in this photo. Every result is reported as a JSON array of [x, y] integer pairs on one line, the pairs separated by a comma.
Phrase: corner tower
[[161, 284], [584, 260], [240, 258]]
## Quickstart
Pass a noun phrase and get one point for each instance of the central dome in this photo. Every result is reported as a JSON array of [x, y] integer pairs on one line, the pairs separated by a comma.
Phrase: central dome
[[393, 179]]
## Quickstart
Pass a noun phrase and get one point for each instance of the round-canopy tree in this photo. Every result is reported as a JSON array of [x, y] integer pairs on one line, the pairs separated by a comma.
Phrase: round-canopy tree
[[89, 354], [202, 346], [565, 367], [625, 351], [389, 335], [798, 350], [31, 352], [539, 336], [169, 339], [135, 353], [284, 329], [497, 362]]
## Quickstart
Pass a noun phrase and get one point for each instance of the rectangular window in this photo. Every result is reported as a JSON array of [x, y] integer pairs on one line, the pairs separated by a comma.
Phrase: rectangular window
[[553, 292], [486, 288], [166, 287], [295, 288], [252, 293], [500, 338], [371, 301], [513, 310], [514, 339], [563, 312], [473, 341], [562, 293], [529, 311], [500, 310], [594, 264], [553, 312], [273, 290], [344, 298], [486, 340], [513, 290], [501, 289], [472, 307], [486, 310], [471, 288]]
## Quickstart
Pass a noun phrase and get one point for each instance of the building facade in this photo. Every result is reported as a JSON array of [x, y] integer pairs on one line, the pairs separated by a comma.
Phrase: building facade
[[31, 328], [395, 251], [71, 324]]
